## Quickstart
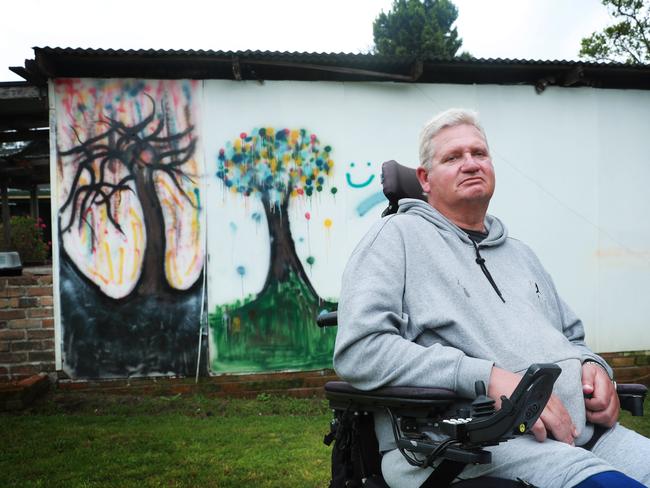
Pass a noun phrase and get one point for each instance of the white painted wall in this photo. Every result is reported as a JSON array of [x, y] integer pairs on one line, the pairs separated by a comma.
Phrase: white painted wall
[[572, 170]]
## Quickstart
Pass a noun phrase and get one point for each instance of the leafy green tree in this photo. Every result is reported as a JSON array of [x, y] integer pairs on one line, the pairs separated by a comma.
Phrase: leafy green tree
[[628, 40], [422, 28]]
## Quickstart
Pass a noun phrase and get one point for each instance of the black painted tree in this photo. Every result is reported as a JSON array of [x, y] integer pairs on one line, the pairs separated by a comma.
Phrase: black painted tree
[[129, 158], [277, 165]]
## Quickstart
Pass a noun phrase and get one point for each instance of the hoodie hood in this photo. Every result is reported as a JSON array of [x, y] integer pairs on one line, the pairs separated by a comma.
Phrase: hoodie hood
[[497, 232]]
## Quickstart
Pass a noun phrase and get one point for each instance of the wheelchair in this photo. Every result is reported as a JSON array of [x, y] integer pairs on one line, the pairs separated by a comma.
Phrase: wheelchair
[[433, 427]]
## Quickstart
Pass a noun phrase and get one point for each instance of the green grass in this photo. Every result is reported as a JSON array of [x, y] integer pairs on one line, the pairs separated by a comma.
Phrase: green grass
[[95, 440], [639, 424]]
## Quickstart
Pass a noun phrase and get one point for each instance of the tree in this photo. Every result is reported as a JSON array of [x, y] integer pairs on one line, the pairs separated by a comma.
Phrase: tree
[[128, 159], [422, 28], [277, 165], [628, 40]]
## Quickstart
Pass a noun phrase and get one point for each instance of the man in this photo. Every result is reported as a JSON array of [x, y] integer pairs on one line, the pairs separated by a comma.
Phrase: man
[[438, 295]]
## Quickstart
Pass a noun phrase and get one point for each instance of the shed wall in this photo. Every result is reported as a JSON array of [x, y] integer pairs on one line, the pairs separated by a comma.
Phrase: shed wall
[[570, 165]]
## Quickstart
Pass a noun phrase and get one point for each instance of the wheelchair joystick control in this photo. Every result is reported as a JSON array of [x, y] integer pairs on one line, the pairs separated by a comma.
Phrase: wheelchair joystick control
[[483, 405]]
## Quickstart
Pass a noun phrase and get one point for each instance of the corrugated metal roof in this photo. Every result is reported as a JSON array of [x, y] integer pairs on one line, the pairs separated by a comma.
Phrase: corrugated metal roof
[[53, 62]]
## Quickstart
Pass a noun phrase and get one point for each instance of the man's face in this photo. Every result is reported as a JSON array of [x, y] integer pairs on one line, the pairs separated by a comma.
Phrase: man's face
[[461, 170]]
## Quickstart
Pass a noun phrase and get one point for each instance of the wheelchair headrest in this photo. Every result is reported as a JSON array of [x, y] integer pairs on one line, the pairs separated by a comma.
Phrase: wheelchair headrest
[[399, 182]]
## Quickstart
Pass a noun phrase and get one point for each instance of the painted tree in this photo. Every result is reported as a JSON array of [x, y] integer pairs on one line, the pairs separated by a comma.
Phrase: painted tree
[[135, 159], [277, 165], [627, 40], [422, 28]]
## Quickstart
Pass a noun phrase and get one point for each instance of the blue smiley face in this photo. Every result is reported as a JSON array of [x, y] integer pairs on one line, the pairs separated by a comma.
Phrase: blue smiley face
[[365, 183]]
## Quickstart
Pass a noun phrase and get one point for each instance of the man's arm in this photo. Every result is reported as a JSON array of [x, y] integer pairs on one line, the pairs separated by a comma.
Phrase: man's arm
[[371, 350], [601, 400]]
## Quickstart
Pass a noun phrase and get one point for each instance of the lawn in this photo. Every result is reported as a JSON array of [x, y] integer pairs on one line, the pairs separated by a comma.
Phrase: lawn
[[182, 441], [93, 440]]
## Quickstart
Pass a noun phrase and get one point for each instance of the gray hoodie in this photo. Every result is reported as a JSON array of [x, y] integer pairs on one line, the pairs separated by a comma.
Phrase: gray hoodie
[[417, 310]]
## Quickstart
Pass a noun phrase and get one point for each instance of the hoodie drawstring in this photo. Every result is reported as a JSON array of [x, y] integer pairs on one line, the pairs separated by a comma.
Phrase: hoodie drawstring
[[481, 262]]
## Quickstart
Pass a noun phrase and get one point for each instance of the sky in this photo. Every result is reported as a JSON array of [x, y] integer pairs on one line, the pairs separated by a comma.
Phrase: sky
[[512, 29]]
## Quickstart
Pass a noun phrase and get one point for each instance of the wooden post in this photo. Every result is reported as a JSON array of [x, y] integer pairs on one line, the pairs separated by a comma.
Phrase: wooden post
[[6, 224], [33, 202]]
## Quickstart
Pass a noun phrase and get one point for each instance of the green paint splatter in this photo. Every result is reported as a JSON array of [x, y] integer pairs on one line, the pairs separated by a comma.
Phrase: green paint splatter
[[311, 260], [273, 331]]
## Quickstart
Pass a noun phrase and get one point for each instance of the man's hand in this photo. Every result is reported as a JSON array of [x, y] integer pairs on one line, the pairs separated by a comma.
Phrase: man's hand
[[554, 419], [602, 403]]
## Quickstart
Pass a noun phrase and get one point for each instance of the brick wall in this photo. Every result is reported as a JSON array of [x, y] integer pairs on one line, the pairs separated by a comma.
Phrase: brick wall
[[26, 324], [630, 366]]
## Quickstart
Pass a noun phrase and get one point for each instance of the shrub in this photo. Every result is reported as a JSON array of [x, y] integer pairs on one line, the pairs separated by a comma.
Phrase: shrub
[[27, 239]]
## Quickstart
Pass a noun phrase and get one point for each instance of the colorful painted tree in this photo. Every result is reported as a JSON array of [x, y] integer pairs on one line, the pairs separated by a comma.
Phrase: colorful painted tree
[[113, 170], [276, 166]]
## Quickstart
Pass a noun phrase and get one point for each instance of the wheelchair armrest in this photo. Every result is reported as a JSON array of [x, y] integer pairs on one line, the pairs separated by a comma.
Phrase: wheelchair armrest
[[327, 319], [342, 395], [631, 397]]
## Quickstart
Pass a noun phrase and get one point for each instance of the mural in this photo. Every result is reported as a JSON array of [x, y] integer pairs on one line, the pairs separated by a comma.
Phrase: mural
[[130, 226], [137, 207], [361, 178], [274, 328]]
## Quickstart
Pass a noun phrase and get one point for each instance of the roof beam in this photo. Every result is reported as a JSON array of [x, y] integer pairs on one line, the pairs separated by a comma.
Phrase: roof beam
[[24, 135], [18, 92]]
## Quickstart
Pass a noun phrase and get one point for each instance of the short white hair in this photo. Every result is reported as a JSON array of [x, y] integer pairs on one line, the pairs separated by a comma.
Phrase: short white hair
[[449, 118]]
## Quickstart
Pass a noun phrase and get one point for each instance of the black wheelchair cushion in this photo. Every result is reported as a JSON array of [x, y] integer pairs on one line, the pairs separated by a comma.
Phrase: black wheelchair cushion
[[342, 394]]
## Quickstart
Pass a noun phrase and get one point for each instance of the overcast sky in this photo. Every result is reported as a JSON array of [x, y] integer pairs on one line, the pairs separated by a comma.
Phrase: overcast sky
[[525, 29]]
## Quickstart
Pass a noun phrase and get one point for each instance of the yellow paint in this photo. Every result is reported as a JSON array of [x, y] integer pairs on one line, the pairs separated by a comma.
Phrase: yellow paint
[[98, 275], [273, 164], [172, 214], [168, 268], [236, 325], [170, 191], [138, 241], [172, 269], [237, 145], [327, 223], [192, 264], [109, 261], [120, 278], [270, 131], [196, 227]]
